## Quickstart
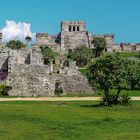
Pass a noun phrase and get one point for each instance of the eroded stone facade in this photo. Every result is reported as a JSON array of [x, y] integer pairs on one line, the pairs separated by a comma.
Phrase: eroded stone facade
[[24, 72], [73, 34]]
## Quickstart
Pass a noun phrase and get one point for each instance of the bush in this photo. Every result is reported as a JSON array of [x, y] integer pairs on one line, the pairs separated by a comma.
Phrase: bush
[[100, 44], [112, 100], [81, 55], [125, 100], [15, 44], [3, 89], [48, 54], [113, 71]]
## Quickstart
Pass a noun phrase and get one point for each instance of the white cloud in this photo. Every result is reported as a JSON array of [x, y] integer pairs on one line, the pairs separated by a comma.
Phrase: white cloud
[[16, 31]]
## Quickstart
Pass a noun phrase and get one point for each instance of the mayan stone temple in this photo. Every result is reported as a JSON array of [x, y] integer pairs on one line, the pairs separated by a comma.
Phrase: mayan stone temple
[[25, 73]]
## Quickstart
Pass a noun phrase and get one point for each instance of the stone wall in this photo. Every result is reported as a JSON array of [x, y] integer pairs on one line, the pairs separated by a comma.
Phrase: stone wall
[[126, 47], [137, 47], [117, 48], [109, 41], [4, 58], [30, 80], [73, 34], [74, 84], [36, 57], [72, 40], [28, 76], [72, 26], [34, 80], [44, 39]]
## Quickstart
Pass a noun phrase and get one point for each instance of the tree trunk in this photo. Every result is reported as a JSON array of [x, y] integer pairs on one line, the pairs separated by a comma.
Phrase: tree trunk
[[96, 55], [117, 95], [106, 93]]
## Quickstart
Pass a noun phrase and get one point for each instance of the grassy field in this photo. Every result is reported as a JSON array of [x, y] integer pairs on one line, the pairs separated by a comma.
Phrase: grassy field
[[130, 54], [135, 92], [76, 121]]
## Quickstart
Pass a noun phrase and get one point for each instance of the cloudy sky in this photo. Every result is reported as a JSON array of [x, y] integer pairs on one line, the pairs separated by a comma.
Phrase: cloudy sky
[[121, 17]]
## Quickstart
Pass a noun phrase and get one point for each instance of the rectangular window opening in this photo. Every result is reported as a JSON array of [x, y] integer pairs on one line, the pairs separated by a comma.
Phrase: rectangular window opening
[[69, 28], [78, 28], [74, 28]]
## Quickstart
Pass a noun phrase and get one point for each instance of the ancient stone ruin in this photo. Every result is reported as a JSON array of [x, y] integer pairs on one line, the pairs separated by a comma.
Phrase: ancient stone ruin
[[74, 34], [25, 73]]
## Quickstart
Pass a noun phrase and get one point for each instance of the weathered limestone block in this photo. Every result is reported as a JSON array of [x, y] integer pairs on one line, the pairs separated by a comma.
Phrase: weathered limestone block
[[4, 58], [22, 69], [30, 80], [30, 85], [138, 47], [76, 84], [36, 57], [72, 40]]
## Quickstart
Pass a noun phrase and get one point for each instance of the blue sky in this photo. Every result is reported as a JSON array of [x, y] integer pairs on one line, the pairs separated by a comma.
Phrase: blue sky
[[121, 17]]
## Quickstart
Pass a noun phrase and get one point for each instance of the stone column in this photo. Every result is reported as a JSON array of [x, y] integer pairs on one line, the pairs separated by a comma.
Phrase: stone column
[[51, 65]]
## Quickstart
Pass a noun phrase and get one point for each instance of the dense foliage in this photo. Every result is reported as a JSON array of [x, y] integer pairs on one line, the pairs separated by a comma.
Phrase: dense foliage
[[100, 44], [113, 71], [15, 44], [82, 55], [48, 54]]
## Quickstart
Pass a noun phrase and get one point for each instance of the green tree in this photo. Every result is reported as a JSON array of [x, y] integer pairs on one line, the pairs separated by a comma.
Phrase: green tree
[[133, 68], [48, 54], [15, 44], [113, 71], [82, 55], [100, 44]]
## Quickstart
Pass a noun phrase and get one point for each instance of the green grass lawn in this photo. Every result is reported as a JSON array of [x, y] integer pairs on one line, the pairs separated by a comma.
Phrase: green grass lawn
[[77, 121], [130, 54], [135, 92]]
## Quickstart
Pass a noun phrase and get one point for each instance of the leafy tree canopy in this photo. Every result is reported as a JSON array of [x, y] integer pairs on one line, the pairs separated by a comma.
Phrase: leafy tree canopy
[[48, 54], [113, 71], [82, 55]]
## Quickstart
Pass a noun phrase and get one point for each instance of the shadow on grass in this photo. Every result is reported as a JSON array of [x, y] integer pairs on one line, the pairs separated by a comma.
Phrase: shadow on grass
[[91, 106]]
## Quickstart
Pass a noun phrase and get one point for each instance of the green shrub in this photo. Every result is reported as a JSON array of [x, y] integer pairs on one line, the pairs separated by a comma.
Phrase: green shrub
[[112, 100], [48, 54], [84, 71], [3, 89], [81, 55], [129, 54], [125, 100], [100, 44], [15, 44]]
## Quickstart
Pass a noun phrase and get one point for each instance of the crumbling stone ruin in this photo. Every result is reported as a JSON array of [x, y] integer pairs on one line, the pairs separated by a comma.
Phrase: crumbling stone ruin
[[73, 34], [26, 74]]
